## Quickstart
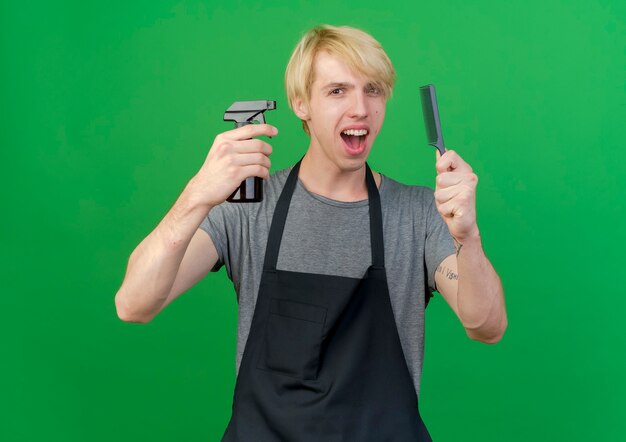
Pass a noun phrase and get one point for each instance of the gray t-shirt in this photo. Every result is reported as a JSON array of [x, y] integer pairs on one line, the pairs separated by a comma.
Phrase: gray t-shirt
[[330, 237]]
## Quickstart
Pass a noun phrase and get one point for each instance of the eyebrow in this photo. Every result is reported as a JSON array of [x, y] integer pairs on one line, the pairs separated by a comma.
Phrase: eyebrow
[[336, 85]]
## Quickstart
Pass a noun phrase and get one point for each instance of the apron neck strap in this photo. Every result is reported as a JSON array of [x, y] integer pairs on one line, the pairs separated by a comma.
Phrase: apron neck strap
[[282, 207], [376, 220]]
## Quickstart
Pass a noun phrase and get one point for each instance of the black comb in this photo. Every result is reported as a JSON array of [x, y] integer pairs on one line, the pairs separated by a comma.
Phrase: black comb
[[431, 117]]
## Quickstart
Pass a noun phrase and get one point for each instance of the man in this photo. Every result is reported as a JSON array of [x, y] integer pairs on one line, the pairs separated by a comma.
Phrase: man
[[332, 270]]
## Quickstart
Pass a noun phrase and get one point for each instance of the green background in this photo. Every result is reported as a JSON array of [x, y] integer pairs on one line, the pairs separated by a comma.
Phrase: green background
[[108, 108]]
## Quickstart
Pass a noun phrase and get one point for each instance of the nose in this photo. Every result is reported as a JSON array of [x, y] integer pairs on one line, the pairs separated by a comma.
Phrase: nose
[[358, 105]]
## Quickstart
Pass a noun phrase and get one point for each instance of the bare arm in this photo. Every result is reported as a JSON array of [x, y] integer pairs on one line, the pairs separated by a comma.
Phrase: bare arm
[[171, 259], [176, 254], [470, 285], [467, 280]]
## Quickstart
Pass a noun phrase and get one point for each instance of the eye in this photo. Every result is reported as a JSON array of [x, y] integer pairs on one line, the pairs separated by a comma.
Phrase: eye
[[373, 89], [336, 91]]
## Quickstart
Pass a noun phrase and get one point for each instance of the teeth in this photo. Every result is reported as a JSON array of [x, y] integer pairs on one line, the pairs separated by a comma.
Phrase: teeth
[[356, 132]]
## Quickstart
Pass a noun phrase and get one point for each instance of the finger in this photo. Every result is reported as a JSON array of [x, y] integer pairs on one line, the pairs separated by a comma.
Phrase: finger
[[250, 159], [452, 161], [446, 194], [447, 179], [250, 131], [255, 170], [252, 146], [449, 209]]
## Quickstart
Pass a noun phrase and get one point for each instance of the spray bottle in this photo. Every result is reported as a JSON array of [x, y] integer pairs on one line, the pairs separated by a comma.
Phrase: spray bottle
[[243, 113]]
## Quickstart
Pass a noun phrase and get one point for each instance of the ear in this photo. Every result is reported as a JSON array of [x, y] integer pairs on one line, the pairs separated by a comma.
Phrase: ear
[[300, 109]]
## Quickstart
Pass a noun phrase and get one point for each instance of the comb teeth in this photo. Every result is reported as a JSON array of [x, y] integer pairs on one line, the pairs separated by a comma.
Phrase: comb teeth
[[431, 117], [429, 120]]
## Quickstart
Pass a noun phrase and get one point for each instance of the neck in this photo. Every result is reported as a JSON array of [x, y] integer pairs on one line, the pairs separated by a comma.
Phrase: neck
[[324, 178]]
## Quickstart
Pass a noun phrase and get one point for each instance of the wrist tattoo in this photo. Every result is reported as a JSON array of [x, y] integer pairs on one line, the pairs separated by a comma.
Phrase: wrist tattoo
[[448, 273], [457, 246]]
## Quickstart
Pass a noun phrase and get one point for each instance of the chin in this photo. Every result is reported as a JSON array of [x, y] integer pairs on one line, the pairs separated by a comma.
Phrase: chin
[[353, 164]]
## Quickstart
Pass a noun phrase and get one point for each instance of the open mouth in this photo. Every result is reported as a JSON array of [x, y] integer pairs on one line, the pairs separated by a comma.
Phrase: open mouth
[[354, 140]]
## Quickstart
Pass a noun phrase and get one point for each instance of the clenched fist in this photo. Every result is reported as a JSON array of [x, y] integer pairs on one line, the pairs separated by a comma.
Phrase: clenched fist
[[455, 195]]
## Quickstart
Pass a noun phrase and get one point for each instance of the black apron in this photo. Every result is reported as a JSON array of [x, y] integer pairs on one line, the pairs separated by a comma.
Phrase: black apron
[[323, 360]]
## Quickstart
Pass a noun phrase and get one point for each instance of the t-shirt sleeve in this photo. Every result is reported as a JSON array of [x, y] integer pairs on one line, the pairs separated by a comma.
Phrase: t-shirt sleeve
[[439, 242], [225, 224]]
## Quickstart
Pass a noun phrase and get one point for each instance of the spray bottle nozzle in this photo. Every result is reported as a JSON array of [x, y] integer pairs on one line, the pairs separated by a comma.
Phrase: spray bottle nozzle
[[245, 112]]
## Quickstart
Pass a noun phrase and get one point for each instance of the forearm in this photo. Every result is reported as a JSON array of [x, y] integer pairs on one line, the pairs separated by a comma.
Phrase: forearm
[[153, 265], [480, 296]]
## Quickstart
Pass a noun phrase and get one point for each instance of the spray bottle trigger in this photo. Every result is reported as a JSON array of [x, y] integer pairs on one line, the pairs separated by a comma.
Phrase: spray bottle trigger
[[260, 118]]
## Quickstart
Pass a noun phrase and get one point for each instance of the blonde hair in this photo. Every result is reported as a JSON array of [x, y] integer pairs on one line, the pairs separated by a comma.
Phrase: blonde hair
[[359, 50]]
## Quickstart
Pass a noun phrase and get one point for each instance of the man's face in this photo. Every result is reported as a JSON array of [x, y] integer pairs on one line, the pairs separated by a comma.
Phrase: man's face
[[344, 115]]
